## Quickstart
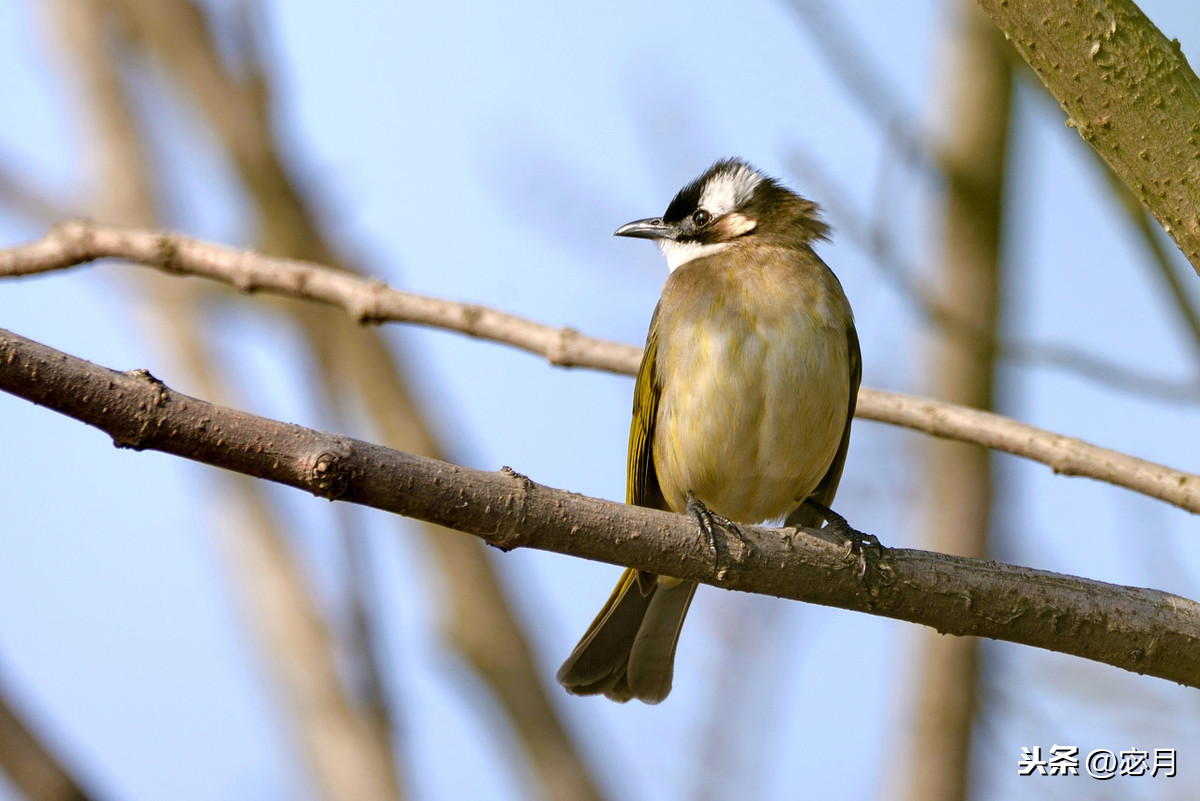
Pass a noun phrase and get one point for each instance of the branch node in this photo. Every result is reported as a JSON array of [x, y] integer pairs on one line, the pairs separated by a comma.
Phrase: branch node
[[560, 348], [507, 538], [160, 388], [166, 254], [470, 314], [245, 278], [77, 238], [140, 437], [367, 309], [327, 475]]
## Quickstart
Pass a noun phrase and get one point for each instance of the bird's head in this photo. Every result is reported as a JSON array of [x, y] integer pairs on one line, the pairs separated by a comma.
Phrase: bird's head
[[730, 204]]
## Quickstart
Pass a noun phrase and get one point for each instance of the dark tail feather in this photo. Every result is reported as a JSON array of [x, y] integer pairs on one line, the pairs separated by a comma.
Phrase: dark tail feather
[[629, 650], [652, 657]]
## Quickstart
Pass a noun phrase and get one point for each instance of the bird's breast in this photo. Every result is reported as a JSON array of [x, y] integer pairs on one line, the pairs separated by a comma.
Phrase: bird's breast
[[754, 372]]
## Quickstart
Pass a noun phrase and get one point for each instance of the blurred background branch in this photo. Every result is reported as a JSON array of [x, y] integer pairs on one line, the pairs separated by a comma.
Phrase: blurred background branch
[[349, 759], [976, 97], [348, 741], [27, 761]]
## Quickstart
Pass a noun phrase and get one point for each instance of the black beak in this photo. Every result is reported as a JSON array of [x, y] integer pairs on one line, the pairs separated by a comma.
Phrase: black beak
[[651, 228]]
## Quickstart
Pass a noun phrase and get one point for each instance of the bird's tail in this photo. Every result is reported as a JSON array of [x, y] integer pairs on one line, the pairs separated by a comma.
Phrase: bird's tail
[[629, 650]]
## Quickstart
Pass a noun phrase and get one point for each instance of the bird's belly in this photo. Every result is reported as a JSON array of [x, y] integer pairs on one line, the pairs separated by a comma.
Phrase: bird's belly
[[751, 421]]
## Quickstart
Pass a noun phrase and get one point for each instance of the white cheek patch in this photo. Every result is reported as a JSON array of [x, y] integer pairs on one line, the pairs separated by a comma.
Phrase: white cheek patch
[[680, 253], [726, 191]]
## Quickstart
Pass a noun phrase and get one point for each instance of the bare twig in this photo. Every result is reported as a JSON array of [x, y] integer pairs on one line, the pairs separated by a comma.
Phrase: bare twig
[[1142, 630], [1064, 455], [75, 243]]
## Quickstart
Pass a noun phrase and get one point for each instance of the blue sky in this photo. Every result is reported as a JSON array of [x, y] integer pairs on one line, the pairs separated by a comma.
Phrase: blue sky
[[486, 153]]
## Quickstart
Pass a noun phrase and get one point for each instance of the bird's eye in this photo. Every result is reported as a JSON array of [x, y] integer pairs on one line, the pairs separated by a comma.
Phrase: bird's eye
[[701, 218]]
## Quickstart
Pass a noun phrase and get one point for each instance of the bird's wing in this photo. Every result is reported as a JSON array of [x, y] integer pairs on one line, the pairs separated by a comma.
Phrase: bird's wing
[[641, 487]]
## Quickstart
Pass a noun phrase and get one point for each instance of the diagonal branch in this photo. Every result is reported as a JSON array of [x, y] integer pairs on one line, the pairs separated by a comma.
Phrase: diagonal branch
[[1127, 90], [75, 243], [1141, 630]]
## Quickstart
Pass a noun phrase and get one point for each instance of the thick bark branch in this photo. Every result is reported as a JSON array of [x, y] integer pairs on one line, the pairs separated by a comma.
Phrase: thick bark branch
[[74, 243], [1127, 90], [1142, 630]]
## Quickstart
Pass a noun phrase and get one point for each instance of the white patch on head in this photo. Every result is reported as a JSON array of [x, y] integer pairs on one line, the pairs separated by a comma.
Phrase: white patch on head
[[729, 189], [680, 253]]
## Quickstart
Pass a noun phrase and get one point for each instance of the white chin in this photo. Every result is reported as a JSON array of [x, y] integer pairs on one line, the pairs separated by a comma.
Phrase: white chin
[[680, 253]]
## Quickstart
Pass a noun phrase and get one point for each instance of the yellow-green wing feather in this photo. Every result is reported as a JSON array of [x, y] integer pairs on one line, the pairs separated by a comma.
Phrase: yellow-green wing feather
[[641, 487]]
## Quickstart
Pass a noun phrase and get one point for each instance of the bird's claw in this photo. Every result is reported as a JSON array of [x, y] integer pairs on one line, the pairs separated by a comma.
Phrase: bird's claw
[[858, 542], [709, 521], [865, 546]]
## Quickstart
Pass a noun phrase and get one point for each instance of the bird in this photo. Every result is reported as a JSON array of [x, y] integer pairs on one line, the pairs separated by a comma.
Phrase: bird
[[742, 406]]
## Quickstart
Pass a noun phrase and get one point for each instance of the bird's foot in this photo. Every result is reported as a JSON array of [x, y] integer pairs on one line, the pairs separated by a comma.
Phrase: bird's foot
[[708, 522], [864, 546]]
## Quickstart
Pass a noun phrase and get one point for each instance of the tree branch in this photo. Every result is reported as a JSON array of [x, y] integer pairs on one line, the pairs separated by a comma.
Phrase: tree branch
[[1142, 630], [74, 243], [1127, 90]]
